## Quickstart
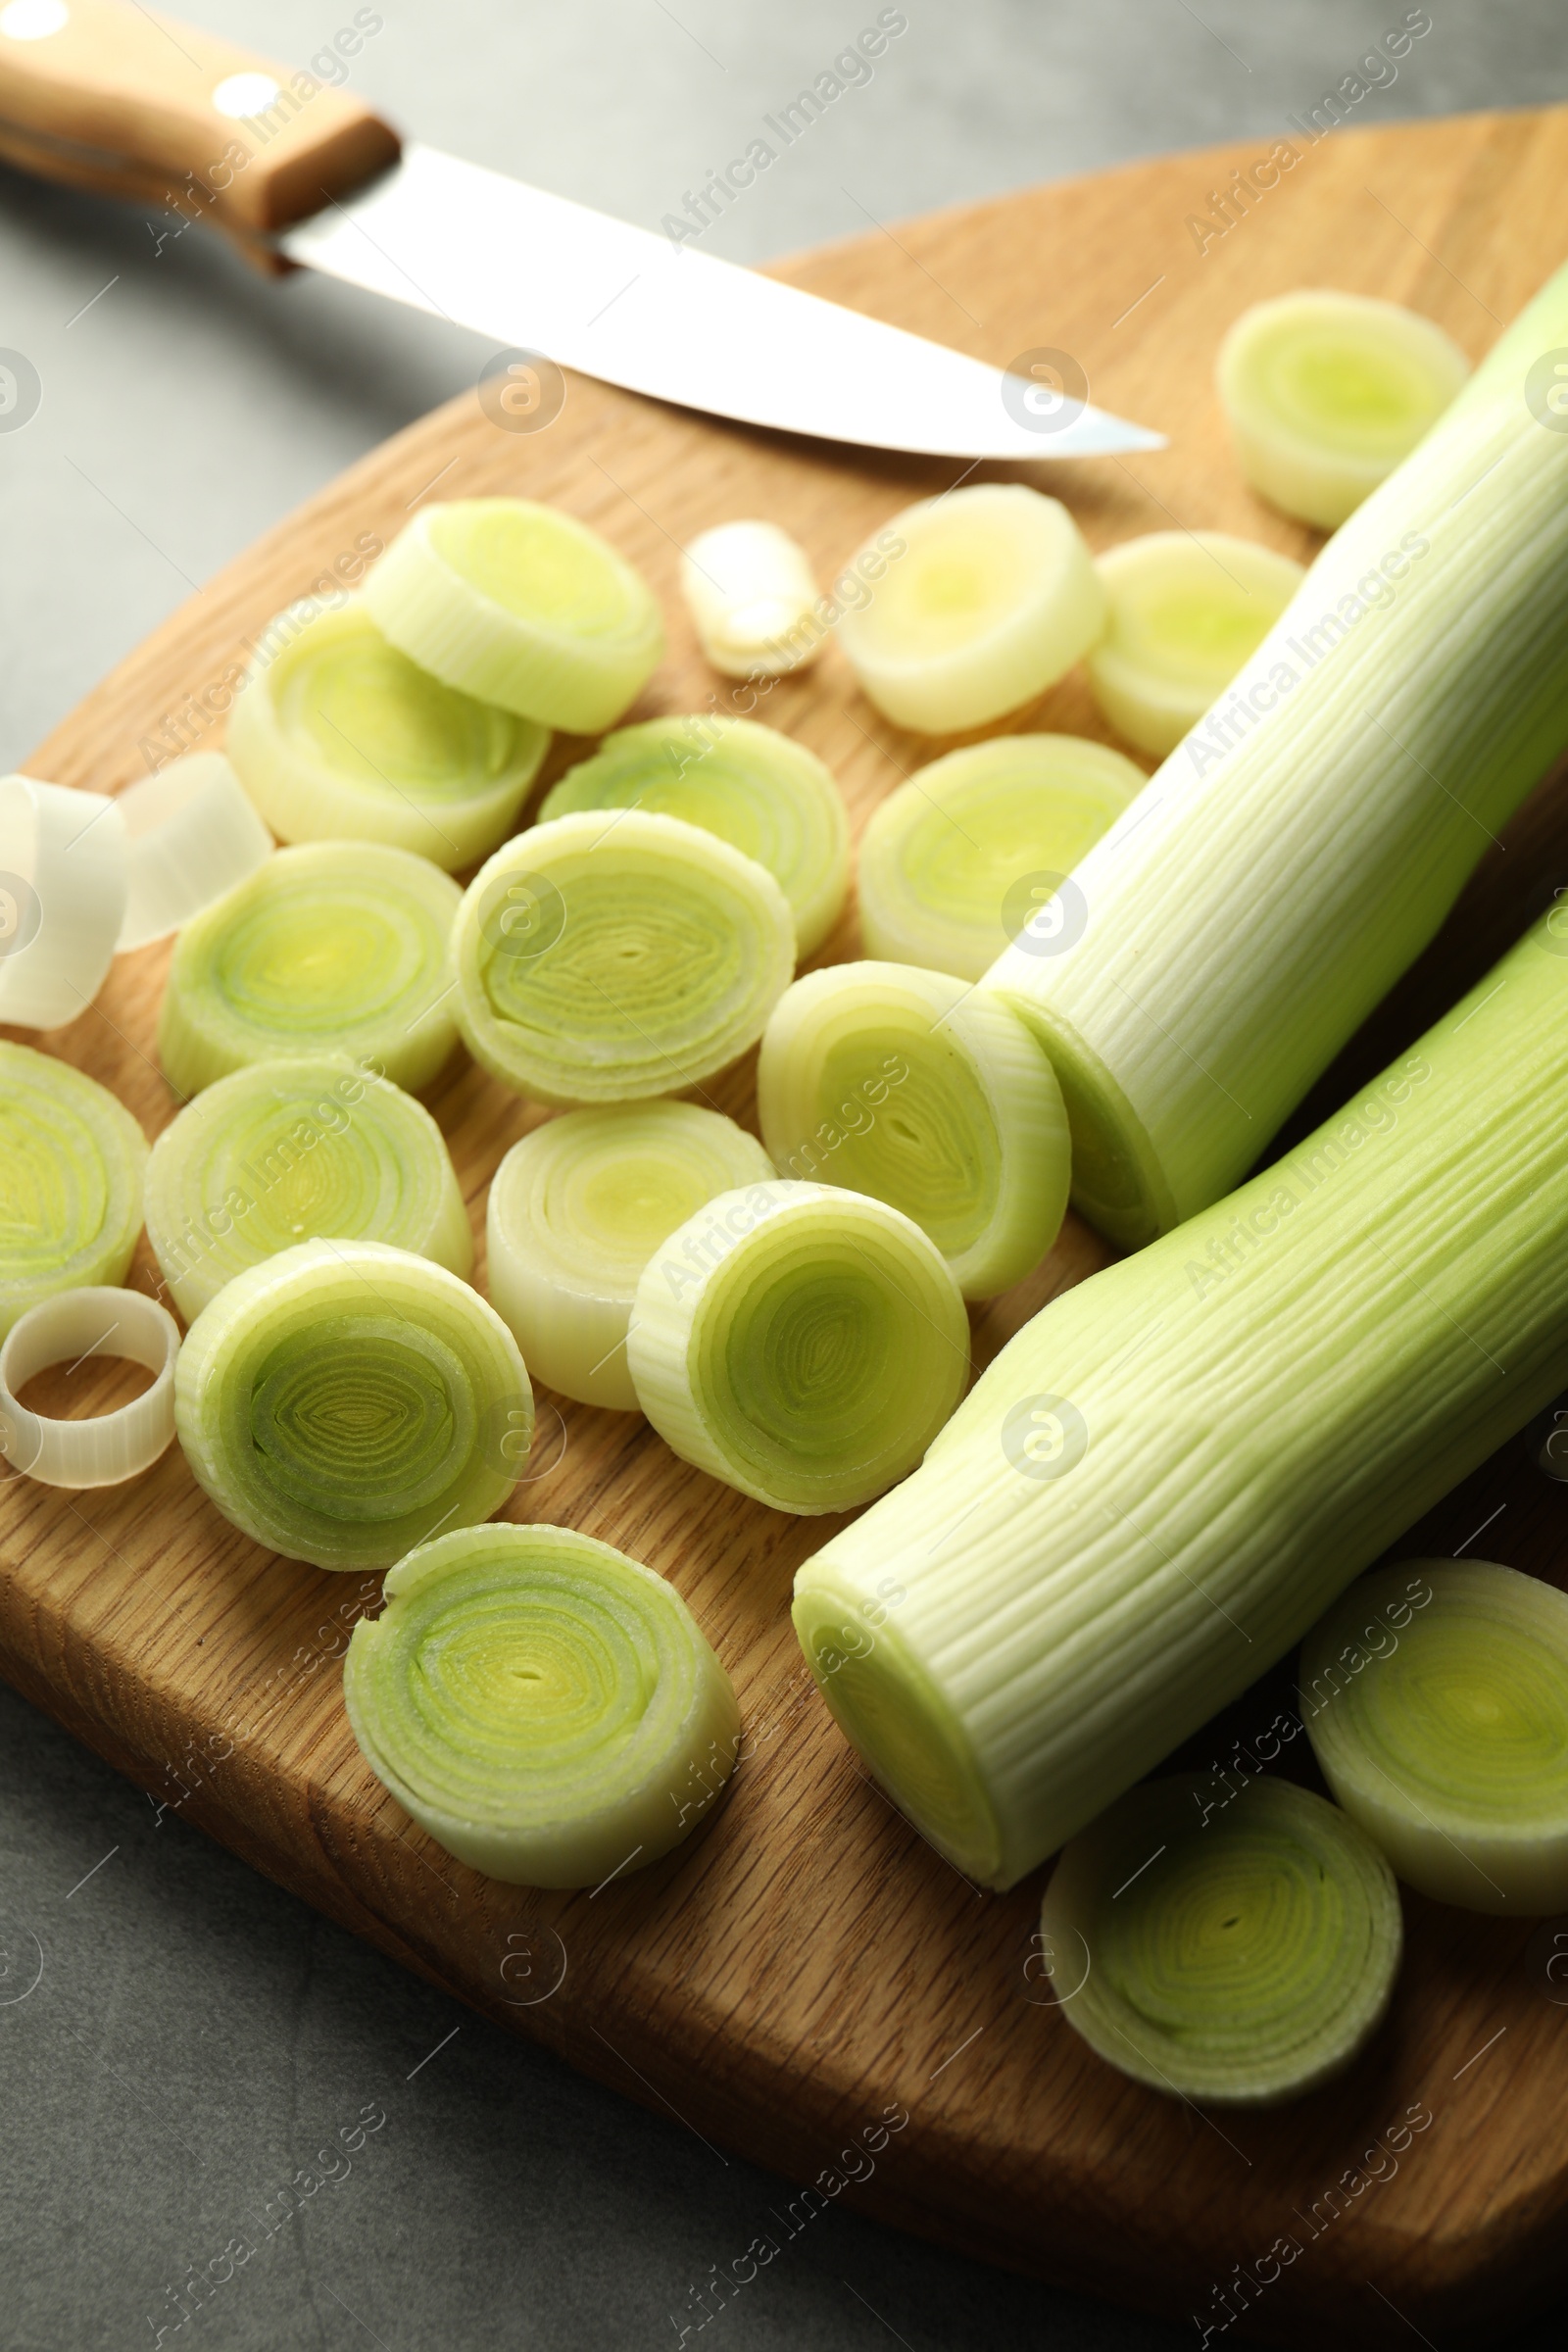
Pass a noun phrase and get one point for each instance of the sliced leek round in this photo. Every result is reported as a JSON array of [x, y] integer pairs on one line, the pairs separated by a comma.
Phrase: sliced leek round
[[101, 1449], [285, 1150], [548, 1709], [993, 600], [334, 947], [576, 1210], [64, 879], [607, 958], [191, 835], [1244, 1955], [1325, 393], [1435, 1693], [800, 1344], [928, 1095], [345, 1400], [750, 592], [72, 1161], [1185, 612], [947, 856], [520, 605], [340, 737], [757, 789]]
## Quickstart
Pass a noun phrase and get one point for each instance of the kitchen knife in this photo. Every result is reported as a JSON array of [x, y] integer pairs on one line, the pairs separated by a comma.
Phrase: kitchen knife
[[103, 94]]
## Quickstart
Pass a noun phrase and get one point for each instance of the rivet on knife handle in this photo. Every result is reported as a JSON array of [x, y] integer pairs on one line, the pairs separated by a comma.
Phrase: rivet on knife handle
[[102, 94]]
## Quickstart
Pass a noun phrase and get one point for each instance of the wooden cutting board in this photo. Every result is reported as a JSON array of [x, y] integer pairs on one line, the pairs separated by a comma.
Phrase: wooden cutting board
[[806, 1981]]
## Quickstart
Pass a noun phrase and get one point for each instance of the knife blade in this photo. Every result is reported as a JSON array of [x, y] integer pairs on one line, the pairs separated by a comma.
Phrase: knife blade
[[102, 94], [586, 291]]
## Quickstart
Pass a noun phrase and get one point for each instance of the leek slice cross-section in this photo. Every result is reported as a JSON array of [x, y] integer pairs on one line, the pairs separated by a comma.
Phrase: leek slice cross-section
[[338, 736], [803, 1345], [955, 862], [72, 1164], [764, 794], [605, 958], [545, 1707], [1327, 392], [345, 1400], [520, 605], [288, 1150], [1185, 612], [992, 600], [1435, 1693], [1243, 1956], [928, 1095], [578, 1207], [334, 947]]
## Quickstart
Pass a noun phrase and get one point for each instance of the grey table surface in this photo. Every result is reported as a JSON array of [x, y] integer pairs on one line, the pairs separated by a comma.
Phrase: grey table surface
[[195, 2035]]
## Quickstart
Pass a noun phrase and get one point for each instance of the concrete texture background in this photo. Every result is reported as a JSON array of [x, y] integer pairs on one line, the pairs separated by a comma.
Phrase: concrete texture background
[[196, 2035]]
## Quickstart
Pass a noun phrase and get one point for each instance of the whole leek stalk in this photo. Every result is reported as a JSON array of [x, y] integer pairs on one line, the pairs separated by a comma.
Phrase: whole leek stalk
[[1295, 853], [1175, 1468]]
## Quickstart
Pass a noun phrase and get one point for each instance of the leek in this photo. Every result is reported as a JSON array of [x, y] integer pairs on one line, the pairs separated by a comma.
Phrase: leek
[[925, 1094], [1435, 1694], [519, 605], [545, 1707], [72, 1162], [1295, 854], [1184, 612], [340, 737], [288, 1149], [335, 947], [64, 880], [805, 1345], [604, 960], [750, 592], [993, 600], [955, 862], [344, 1401], [1171, 1472], [757, 789], [578, 1207], [1326, 392], [1245, 1956], [191, 835], [101, 1449]]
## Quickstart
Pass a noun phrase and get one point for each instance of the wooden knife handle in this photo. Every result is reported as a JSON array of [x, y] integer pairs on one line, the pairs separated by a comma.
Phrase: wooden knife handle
[[103, 94]]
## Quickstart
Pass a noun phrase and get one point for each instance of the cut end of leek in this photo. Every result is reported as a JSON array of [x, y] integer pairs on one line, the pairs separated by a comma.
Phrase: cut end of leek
[[520, 605], [344, 1401], [750, 592], [1325, 394], [338, 736], [72, 1162], [545, 1707], [993, 600], [336, 947], [956, 861], [1243, 1956], [576, 1210], [1435, 1693], [63, 882], [929, 1095], [764, 794], [191, 835], [803, 1345], [1186, 610], [605, 958], [289, 1150]]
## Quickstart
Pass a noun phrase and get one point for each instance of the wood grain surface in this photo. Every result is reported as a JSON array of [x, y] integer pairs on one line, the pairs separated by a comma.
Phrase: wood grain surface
[[805, 1972]]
